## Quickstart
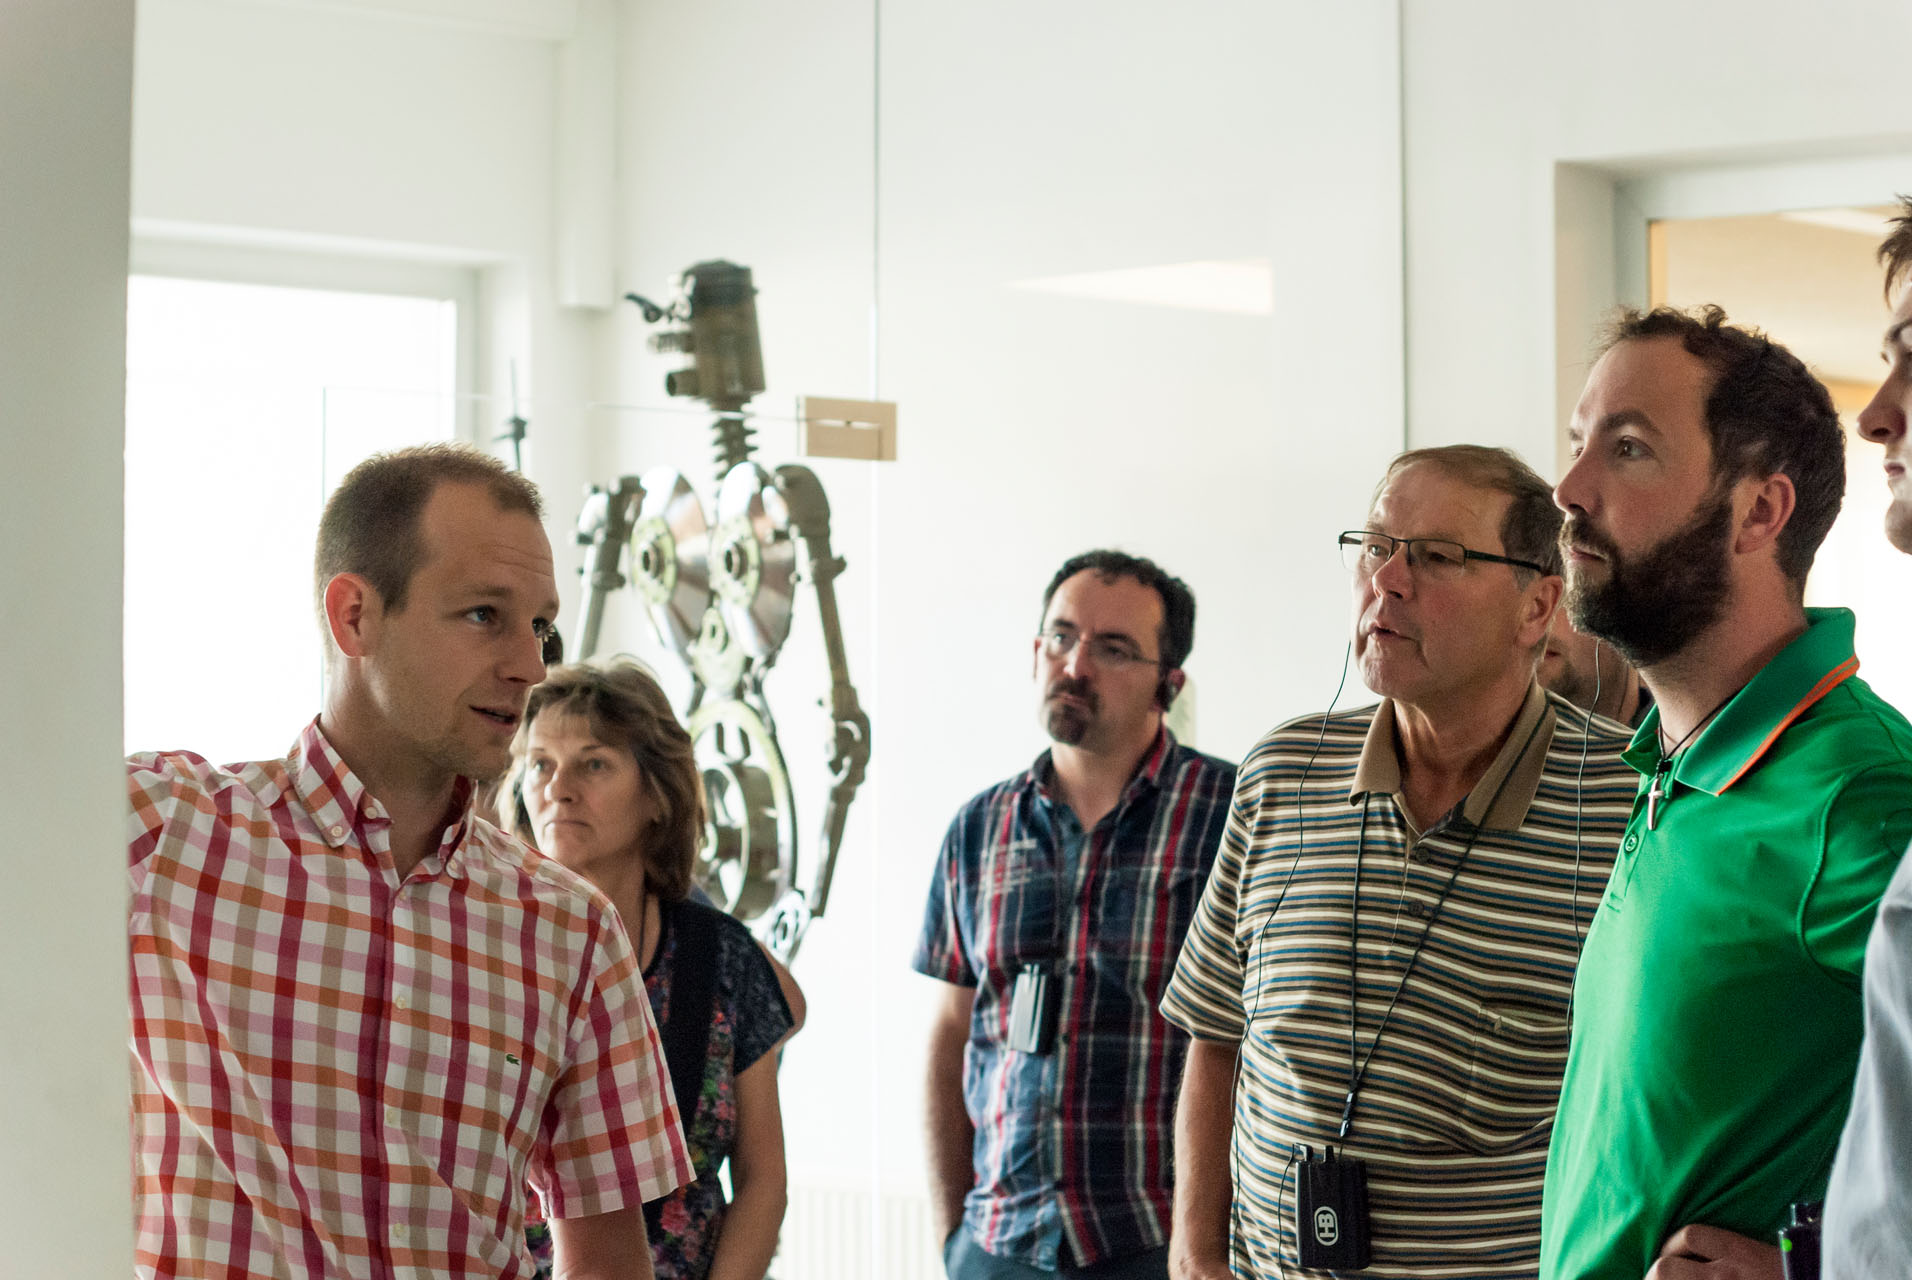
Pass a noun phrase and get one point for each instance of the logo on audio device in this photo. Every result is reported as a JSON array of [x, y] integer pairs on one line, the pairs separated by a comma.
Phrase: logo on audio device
[[1327, 1227]]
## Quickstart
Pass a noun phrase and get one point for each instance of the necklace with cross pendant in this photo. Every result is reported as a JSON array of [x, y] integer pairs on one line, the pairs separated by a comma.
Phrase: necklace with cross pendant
[[1662, 788], [1657, 792]]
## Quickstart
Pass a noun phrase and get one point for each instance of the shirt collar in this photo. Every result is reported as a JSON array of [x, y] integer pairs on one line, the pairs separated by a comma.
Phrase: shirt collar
[[340, 805], [1148, 772], [1818, 661], [1519, 764]]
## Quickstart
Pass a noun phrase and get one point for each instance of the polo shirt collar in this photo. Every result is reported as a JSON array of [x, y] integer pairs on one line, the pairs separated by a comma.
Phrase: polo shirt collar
[[339, 802], [1520, 762], [1818, 661]]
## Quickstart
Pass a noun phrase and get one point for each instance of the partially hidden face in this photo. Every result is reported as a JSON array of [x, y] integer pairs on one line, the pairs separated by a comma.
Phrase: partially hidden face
[[1424, 640], [1883, 421], [1569, 663], [589, 802], [1091, 702], [449, 671]]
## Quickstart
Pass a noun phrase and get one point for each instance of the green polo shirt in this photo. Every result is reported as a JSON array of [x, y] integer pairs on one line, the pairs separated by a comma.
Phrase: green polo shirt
[[1716, 1015]]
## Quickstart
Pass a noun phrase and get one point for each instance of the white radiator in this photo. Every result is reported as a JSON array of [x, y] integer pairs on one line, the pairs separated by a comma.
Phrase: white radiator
[[855, 1231]]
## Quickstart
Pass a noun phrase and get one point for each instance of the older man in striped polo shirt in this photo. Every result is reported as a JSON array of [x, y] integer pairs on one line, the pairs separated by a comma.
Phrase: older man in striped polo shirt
[[1378, 976]]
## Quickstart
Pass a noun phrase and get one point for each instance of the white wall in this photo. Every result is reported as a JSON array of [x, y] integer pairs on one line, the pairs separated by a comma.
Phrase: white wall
[[1016, 146], [65, 75], [1500, 92]]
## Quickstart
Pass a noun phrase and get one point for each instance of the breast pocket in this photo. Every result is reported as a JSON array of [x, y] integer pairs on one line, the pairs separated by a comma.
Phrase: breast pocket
[[1140, 913], [1517, 1056], [1014, 915]]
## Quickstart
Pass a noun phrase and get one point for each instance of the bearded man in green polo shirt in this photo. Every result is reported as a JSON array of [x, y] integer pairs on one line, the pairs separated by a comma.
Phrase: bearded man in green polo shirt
[[1716, 1010]]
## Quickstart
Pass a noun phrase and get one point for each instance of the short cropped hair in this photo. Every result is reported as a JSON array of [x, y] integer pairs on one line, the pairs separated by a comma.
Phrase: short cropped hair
[[1895, 255], [1176, 637], [627, 709], [371, 522], [1765, 414], [1531, 528]]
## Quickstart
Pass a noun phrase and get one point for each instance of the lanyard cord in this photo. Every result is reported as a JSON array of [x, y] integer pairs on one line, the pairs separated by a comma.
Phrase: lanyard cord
[[1358, 1074]]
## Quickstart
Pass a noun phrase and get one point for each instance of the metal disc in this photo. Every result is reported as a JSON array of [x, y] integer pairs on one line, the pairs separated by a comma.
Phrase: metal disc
[[670, 549], [753, 560], [748, 863]]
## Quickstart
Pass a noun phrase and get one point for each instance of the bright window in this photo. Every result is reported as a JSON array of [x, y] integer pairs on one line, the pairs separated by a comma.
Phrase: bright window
[[245, 404]]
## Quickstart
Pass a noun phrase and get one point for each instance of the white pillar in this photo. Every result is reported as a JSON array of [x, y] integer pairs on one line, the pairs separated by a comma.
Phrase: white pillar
[[66, 71]]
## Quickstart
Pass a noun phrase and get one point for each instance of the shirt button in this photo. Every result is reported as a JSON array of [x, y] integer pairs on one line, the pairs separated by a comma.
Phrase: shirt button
[[1632, 843], [391, 1116], [1416, 909], [399, 1232], [337, 831], [403, 1002]]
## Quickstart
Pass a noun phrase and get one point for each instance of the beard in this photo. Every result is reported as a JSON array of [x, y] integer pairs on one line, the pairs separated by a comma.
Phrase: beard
[[1065, 722], [1651, 606]]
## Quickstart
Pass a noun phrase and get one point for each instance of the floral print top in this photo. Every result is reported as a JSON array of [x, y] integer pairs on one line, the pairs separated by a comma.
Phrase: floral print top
[[749, 1016]]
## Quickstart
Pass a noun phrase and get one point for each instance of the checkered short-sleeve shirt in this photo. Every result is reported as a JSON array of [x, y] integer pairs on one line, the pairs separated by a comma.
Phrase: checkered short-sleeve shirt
[[336, 1072]]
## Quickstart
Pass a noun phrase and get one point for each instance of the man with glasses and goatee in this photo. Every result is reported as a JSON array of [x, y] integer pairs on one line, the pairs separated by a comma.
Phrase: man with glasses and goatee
[[1378, 977], [1054, 916]]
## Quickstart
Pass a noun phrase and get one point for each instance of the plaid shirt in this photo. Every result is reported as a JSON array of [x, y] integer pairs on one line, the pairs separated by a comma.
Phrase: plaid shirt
[[336, 1072], [1074, 1148]]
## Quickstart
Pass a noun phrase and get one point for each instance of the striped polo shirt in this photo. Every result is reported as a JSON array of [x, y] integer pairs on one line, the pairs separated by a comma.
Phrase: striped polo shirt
[[1457, 1101]]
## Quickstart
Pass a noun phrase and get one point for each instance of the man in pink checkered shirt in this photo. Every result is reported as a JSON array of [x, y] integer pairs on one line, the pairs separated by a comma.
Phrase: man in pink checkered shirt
[[363, 1019]]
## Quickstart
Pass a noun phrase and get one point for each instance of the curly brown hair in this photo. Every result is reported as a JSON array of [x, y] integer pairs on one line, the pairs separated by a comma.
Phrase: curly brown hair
[[1765, 414], [626, 707]]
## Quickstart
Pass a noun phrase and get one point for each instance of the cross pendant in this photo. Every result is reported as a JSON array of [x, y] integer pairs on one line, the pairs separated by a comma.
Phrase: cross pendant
[[1654, 795]]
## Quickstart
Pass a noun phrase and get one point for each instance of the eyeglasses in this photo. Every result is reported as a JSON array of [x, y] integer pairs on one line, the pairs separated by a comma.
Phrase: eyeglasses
[[1364, 551], [1108, 651]]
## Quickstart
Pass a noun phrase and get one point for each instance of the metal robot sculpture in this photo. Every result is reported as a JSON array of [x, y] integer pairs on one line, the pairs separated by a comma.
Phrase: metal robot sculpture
[[720, 595]]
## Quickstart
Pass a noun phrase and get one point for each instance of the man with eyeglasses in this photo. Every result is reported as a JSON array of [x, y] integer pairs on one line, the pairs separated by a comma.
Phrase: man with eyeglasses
[[1055, 912], [1377, 979]]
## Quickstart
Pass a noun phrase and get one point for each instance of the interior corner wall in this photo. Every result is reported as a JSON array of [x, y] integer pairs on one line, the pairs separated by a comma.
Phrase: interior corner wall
[[1499, 94], [65, 117], [987, 149]]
